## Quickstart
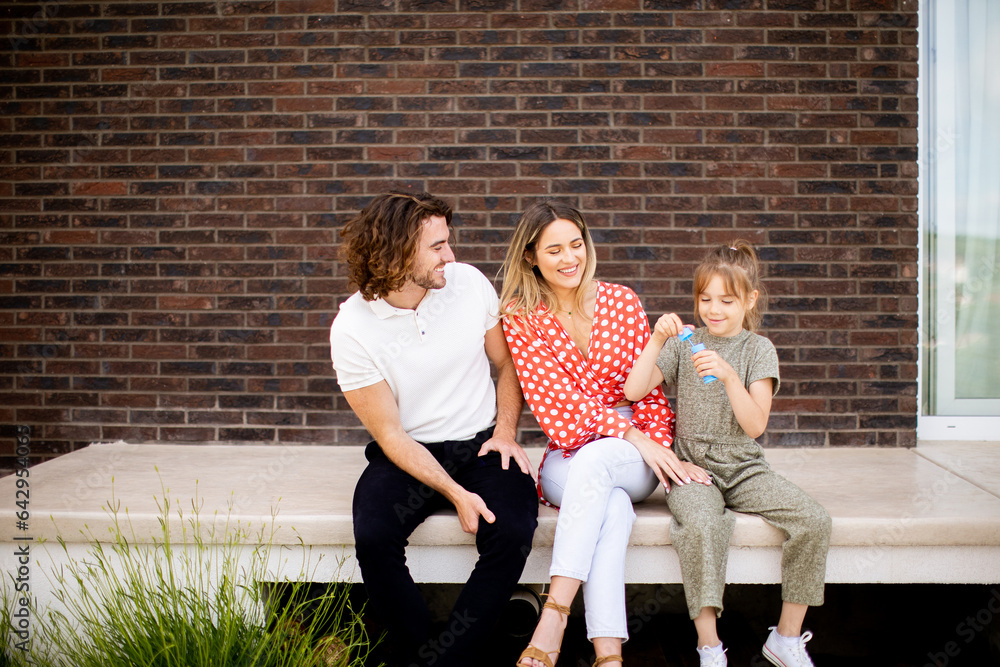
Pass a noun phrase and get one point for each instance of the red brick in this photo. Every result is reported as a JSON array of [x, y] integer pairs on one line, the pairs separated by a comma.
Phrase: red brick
[[744, 69], [186, 302], [101, 188]]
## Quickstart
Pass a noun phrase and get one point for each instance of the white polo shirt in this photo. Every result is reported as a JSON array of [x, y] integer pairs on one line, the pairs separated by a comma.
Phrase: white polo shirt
[[433, 358]]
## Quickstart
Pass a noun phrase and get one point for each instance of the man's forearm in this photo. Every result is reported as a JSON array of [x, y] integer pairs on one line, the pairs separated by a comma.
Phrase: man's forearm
[[377, 410], [414, 459]]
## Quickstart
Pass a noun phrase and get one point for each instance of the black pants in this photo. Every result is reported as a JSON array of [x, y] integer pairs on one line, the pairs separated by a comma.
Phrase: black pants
[[388, 506]]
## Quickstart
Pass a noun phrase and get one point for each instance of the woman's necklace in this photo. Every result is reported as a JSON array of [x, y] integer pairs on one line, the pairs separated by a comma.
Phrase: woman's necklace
[[579, 337]]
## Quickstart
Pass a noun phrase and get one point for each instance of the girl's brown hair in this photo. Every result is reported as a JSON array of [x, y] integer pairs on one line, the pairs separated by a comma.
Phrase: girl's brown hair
[[380, 243], [523, 286], [739, 269]]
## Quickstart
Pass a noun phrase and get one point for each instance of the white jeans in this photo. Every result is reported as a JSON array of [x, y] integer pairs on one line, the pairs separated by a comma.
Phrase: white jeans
[[594, 488]]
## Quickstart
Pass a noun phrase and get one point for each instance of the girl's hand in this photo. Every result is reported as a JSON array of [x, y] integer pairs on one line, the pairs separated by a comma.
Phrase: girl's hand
[[668, 325], [708, 362]]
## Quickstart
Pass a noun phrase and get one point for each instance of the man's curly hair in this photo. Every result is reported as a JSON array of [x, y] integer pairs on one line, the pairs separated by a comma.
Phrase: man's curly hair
[[380, 243]]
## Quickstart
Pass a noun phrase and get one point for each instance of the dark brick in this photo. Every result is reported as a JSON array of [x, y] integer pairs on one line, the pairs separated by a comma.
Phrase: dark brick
[[173, 179]]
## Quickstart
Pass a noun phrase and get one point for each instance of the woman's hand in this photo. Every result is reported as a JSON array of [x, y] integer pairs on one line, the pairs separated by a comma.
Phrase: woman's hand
[[664, 463], [697, 473]]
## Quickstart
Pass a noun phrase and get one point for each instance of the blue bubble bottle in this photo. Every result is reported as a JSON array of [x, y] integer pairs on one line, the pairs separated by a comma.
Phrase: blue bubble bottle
[[686, 333]]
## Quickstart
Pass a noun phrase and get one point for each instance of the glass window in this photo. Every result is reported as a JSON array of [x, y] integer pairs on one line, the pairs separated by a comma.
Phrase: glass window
[[960, 216]]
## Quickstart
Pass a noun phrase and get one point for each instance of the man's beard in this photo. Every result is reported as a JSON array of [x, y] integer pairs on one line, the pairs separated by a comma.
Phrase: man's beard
[[429, 280]]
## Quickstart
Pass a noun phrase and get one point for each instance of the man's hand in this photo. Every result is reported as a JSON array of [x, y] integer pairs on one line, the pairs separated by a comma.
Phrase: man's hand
[[508, 449], [470, 507]]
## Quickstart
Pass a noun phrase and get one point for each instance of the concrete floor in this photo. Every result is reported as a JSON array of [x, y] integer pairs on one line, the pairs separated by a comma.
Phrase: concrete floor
[[889, 625]]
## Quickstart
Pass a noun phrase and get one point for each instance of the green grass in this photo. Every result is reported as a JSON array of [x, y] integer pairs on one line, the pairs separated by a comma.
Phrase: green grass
[[190, 600]]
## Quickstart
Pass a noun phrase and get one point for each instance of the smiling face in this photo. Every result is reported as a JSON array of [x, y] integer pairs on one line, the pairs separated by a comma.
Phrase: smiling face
[[721, 311], [433, 252], [561, 255]]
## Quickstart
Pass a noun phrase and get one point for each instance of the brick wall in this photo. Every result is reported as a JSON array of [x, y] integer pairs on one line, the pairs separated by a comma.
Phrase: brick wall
[[173, 174]]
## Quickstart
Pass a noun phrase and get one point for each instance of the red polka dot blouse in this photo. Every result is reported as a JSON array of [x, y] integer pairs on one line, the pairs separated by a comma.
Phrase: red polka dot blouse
[[572, 396]]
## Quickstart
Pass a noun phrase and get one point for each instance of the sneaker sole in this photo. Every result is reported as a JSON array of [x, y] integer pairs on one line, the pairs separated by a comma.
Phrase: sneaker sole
[[771, 658]]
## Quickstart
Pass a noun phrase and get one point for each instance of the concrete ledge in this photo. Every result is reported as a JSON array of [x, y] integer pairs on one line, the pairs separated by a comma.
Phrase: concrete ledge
[[899, 516]]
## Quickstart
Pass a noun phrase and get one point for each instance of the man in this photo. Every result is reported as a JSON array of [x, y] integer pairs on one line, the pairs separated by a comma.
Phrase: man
[[412, 350]]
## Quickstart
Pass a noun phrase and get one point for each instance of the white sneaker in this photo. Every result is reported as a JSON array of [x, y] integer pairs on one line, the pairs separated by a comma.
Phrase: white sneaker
[[784, 653], [712, 658]]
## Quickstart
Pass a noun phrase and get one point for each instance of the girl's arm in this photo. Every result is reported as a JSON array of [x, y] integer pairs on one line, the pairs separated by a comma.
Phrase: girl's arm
[[754, 413], [752, 406], [645, 374]]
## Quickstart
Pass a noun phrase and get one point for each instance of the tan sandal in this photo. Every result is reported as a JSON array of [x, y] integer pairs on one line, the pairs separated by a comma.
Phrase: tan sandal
[[608, 658], [533, 652], [552, 604]]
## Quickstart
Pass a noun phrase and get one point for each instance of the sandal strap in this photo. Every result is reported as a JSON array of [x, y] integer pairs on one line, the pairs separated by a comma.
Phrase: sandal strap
[[534, 653], [552, 604], [608, 658]]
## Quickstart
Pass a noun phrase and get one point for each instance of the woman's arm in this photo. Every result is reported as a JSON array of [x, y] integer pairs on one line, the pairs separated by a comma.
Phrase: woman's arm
[[645, 374]]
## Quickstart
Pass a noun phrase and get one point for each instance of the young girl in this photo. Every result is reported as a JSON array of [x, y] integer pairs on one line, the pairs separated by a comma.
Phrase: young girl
[[717, 422]]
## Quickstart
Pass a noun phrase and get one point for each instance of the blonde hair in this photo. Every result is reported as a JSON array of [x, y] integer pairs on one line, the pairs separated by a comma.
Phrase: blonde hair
[[524, 288], [739, 269]]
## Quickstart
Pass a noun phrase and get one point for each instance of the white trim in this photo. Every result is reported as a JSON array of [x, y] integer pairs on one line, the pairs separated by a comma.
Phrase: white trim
[[924, 30], [934, 427]]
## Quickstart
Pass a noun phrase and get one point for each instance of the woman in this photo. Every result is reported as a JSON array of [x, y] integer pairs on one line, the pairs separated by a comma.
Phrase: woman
[[573, 340]]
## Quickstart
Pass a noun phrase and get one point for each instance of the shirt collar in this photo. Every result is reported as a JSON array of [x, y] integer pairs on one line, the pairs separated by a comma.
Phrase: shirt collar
[[384, 310]]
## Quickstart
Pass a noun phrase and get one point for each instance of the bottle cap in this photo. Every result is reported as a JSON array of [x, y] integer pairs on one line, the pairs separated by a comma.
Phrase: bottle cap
[[685, 333]]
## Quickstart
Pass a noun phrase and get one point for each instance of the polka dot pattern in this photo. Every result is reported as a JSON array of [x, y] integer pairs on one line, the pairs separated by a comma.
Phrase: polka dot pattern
[[571, 395]]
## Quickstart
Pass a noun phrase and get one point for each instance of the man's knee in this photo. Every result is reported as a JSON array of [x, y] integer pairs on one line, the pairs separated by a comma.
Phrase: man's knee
[[369, 537], [383, 529], [511, 534]]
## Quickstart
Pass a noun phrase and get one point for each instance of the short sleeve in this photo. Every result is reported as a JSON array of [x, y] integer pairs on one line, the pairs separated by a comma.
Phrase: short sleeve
[[765, 364], [354, 365]]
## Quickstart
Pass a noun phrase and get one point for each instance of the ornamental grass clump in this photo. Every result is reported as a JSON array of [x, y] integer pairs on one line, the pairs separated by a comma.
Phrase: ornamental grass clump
[[204, 598]]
